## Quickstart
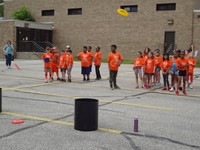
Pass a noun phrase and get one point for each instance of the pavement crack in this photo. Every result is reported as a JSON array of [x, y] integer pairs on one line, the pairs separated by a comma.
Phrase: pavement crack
[[46, 101], [162, 139], [131, 142], [33, 126], [124, 98]]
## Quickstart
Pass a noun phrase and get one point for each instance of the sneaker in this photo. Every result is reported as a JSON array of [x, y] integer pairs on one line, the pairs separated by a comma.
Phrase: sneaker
[[111, 86], [137, 87], [51, 79], [172, 89], [164, 89], [88, 79], [180, 88], [58, 79], [46, 81], [69, 80], [117, 87], [191, 86], [177, 92], [84, 79], [184, 92]]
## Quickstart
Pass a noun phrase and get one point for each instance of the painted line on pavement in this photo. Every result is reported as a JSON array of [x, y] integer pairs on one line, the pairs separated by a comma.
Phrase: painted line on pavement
[[56, 121], [103, 101]]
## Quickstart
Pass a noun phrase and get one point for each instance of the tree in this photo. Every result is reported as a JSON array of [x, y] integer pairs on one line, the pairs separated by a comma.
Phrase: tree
[[23, 14], [1, 8]]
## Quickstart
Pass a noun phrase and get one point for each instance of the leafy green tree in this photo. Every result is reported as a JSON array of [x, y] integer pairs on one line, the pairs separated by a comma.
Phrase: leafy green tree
[[1, 9], [23, 14]]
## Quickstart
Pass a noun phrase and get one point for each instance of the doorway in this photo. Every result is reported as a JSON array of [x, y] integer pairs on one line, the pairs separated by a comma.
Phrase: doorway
[[169, 42]]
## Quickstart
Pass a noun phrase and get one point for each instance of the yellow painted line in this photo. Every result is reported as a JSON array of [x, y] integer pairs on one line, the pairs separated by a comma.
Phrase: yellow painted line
[[173, 93], [48, 94], [56, 121], [144, 106], [36, 85], [110, 130], [38, 118], [103, 101]]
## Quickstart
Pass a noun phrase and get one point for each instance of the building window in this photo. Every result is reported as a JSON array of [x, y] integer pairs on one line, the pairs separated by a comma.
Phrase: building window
[[166, 7], [74, 11], [130, 8], [48, 12]]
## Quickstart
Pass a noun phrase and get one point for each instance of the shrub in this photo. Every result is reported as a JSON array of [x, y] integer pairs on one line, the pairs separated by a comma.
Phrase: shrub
[[23, 14]]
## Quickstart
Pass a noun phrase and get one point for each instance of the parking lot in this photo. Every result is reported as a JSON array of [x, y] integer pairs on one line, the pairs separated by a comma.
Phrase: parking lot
[[166, 121]]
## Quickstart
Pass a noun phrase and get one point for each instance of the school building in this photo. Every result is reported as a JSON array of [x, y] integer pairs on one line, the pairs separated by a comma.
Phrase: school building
[[163, 24]]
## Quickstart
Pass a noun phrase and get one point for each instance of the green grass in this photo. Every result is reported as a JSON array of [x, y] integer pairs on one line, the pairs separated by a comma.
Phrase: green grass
[[130, 61]]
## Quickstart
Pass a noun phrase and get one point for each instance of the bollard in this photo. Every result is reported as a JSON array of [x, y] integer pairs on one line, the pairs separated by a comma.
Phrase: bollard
[[136, 124], [86, 114], [0, 100]]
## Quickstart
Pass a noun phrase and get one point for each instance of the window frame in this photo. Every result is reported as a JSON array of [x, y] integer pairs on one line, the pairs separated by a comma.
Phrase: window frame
[[166, 7], [49, 12], [76, 11], [130, 6]]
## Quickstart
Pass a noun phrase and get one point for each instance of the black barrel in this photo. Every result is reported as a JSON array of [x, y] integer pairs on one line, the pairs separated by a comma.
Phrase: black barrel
[[86, 114], [0, 100]]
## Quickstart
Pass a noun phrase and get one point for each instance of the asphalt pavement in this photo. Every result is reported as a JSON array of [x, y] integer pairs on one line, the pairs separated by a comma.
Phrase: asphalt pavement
[[166, 121]]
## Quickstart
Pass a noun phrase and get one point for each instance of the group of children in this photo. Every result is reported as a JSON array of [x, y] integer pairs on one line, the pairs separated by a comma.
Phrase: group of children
[[180, 66], [54, 60], [147, 66]]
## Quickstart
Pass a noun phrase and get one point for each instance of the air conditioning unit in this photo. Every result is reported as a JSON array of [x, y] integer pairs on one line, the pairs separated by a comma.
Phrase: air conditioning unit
[[170, 21]]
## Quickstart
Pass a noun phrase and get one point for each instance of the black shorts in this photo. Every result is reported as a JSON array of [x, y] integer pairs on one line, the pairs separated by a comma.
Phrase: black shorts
[[85, 70], [63, 70], [182, 73]]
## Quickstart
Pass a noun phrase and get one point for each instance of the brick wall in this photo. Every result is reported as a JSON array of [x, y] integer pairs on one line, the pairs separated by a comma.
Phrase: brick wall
[[7, 32], [100, 25]]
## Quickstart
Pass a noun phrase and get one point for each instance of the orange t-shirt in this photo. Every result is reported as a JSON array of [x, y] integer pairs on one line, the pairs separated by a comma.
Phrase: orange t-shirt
[[114, 60], [70, 60], [56, 58], [149, 65], [145, 57], [91, 57], [138, 63], [47, 56], [166, 65], [182, 64], [158, 61], [97, 59], [84, 57], [62, 61], [192, 63]]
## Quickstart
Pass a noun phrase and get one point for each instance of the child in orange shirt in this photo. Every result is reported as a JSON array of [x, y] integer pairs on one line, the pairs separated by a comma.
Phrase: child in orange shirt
[[137, 67], [97, 63], [62, 65], [192, 64], [114, 61], [84, 58], [182, 64], [55, 63], [174, 70], [91, 58], [70, 64], [149, 68], [158, 60], [165, 66], [47, 58]]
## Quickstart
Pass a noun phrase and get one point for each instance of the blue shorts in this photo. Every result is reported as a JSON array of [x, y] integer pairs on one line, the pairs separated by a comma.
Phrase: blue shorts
[[174, 69], [69, 70], [85, 70], [90, 68]]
